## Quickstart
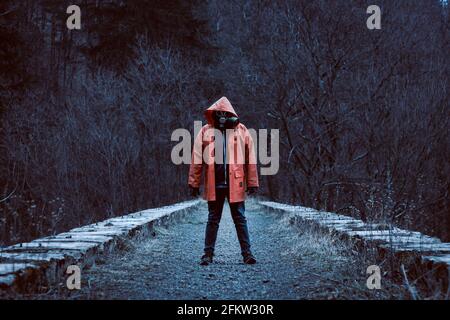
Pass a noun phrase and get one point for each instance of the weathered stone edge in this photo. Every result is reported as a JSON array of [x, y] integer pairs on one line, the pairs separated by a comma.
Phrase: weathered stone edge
[[429, 255], [42, 264]]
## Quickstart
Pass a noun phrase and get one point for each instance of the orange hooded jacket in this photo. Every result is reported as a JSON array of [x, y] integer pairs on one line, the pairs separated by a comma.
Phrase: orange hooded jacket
[[241, 157]]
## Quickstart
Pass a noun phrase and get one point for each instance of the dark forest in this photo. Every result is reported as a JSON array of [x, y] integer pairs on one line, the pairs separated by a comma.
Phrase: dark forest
[[86, 115]]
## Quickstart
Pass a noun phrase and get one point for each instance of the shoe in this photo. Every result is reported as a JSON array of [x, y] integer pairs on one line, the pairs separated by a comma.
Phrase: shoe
[[249, 259], [206, 259]]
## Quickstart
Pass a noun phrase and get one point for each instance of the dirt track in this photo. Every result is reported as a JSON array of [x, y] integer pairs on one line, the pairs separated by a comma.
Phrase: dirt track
[[292, 264]]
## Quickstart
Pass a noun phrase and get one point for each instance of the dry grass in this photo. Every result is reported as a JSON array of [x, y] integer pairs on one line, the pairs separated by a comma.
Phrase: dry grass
[[340, 268]]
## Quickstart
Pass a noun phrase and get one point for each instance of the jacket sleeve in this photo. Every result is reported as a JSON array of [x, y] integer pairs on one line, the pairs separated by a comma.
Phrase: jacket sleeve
[[250, 162], [195, 169]]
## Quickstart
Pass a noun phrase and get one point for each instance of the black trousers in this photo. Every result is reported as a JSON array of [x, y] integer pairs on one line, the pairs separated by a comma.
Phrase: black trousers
[[215, 213]]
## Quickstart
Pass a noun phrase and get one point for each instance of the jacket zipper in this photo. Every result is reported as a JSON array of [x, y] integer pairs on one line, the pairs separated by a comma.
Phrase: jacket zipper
[[225, 155]]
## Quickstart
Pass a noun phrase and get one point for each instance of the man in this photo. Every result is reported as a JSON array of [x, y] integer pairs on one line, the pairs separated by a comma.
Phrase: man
[[224, 147]]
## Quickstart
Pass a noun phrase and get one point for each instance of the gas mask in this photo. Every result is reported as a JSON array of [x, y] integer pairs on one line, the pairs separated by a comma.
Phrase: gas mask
[[225, 120]]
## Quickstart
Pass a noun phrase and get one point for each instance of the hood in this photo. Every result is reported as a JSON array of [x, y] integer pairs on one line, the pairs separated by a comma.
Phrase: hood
[[223, 104]]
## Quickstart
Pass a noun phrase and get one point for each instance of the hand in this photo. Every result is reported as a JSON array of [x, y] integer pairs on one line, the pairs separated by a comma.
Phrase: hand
[[252, 190], [195, 192]]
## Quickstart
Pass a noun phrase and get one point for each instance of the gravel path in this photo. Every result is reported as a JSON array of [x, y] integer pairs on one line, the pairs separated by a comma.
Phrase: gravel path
[[291, 265]]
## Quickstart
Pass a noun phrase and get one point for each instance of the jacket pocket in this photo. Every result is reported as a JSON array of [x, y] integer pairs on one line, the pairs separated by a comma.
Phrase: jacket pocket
[[239, 178]]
